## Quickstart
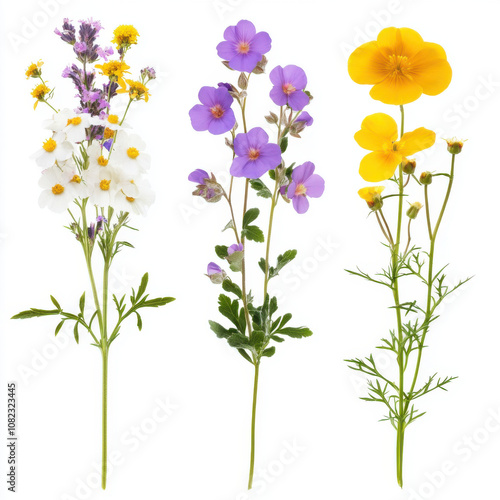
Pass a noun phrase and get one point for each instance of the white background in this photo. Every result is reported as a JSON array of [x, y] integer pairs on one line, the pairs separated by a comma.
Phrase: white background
[[307, 394]]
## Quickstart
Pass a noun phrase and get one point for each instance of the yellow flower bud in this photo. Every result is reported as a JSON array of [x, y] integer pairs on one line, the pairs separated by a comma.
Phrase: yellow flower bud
[[414, 209], [372, 196], [426, 178], [409, 166]]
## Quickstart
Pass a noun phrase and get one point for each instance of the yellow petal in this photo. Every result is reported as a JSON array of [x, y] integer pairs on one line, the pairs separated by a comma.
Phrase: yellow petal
[[400, 41], [368, 193], [378, 132], [396, 89], [430, 69], [379, 166], [418, 140], [366, 65]]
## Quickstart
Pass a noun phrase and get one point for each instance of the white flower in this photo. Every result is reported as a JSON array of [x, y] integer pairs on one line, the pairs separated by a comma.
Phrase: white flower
[[129, 154], [103, 185], [60, 188], [134, 196], [111, 121], [98, 156], [58, 120], [57, 148], [75, 127]]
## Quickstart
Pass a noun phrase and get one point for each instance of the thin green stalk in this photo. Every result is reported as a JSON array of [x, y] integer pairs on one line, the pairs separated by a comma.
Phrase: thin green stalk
[[274, 202], [254, 409], [430, 280], [104, 351]]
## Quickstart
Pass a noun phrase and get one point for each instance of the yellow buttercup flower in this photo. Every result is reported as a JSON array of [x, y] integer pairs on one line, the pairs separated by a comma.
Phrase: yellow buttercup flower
[[136, 90], [34, 70], [372, 196], [39, 93], [125, 35], [400, 66], [114, 70], [379, 134]]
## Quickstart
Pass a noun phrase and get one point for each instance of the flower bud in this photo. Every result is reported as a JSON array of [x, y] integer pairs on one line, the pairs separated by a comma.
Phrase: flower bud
[[243, 81], [215, 273], [454, 146], [426, 178], [272, 118], [372, 196], [235, 257], [414, 209], [261, 66], [409, 166]]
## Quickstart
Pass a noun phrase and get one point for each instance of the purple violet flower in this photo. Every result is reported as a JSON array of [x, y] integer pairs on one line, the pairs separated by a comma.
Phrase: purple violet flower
[[237, 247], [305, 183], [207, 186], [215, 273], [289, 84], [214, 113], [254, 155], [199, 176], [243, 48], [305, 117]]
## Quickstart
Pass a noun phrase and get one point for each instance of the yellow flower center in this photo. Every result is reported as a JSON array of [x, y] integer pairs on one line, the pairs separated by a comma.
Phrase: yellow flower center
[[113, 119], [104, 184], [49, 145], [243, 47], [108, 133], [398, 65], [300, 190], [102, 161], [57, 189], [288, 88], [74, 121], [76, 178], [217, 111], [253, 154], [133, 153]]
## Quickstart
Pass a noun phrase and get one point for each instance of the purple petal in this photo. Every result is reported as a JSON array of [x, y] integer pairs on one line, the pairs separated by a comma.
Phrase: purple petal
[[223, 124], [257, 137], [230, 34], [305, 117], [271, 154], [276, 76], [302, 172], [256, 168], [201, 117], [245, 62], [213, 268], [261, 43], [235, 248], [223, 97], [315, 186], [295, 75], [206, 95], [291, 190], [278, 96], [198, 176], [226, 50], [245, 31], [238, 166], [241, 145], [301, 204], [298, 100]]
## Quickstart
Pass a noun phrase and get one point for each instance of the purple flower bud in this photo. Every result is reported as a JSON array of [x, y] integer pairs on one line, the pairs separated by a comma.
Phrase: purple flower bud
[[148, 73], [237, 247], [215, 273], [208, 187]]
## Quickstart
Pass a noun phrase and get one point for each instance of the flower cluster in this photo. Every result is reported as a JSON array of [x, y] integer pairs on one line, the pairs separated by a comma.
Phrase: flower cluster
[[401, 67], [254, 154], [90, 153]]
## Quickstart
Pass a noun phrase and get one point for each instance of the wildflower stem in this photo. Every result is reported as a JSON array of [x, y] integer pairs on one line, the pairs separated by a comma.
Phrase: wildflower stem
[[430, 279], [274, 202], [254, 409], [228, 198], [50, 105], [104, 351], [116, 133], [391, 240], [243, 267], [409, 238], [427, 211], [382, 227]]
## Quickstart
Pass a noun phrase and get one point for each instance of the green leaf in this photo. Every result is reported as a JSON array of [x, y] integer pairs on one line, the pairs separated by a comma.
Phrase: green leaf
[[221, 251], [143, 285], [239, 341], [54, 301], [82, 302], [229, 286], [58, 327], [139, 321], [229, 225], [269, 351], [296, 333], [262, 264], [273, 306], [253, 233], [34, 313], [75, 333], [257, 339], [245, 355], [286, 318], [283, 260], [219, 330], [229, 308], [272, 174], [277, 339], [284, 144], [124, 244], [161, 301], [250, 215], [261, 188]]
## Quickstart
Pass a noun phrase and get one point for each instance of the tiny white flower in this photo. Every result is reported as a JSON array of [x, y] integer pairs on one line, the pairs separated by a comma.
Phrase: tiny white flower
[[57, 148], [75, 127], [98, 155], [103, 184], [129, 154], [60, 188], [134, 196], [58, 120], [110, 121]]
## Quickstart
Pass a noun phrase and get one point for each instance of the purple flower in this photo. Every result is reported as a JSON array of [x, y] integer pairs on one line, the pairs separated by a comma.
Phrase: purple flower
[[214, 113], [227, 85], [255, 156], [199, 176], [243, 47], [104, 53], [289, 84], [207, 186], [80, 47], [148, 73], [215, 273], [68, 32], [305, 117], [237, 247], [304, 183]]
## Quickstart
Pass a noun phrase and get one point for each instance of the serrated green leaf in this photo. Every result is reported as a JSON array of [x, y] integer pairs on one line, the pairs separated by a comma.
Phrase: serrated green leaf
[[262, 264], [250, 215], [230, 286], [239, 341], [261, 188], [230, 309], [272, 174], [282, 261], [219, 330], [253, 233], [229, 225]]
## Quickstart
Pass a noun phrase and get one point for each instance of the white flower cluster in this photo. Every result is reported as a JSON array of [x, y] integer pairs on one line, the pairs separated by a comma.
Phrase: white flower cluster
[[74, 169]]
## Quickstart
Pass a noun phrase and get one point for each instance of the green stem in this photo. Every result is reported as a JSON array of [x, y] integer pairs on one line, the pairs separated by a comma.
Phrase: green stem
[[274, 202], [104, 416], [254, 408]]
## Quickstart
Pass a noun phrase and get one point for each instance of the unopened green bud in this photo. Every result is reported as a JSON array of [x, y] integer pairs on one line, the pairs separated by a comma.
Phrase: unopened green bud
[[426, 178], [409, 166], [454, 146], [414, 209]]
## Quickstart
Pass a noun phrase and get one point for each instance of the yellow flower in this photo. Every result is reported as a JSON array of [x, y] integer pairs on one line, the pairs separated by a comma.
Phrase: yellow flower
[[34, 70], [125, 35], [39, 93], [379, 133], [400, 66], [372, 196], [114, 70], [136, 90]]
